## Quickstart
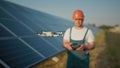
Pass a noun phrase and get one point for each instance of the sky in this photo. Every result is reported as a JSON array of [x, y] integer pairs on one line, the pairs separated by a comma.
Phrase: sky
[[99, 12]]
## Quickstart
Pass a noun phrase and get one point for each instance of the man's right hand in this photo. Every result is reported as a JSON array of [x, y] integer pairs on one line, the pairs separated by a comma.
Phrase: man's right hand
[[69, 46]]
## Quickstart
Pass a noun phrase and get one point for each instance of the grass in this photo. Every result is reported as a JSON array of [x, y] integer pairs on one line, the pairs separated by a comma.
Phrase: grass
[[113, 46], [106, 54]]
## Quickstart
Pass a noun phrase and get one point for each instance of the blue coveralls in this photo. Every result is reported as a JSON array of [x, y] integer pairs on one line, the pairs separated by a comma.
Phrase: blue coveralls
[[77, 59]]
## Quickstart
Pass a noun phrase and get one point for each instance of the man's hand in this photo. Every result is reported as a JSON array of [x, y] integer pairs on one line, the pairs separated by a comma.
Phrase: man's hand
[[88, 46], [81, 48], [67, 45]]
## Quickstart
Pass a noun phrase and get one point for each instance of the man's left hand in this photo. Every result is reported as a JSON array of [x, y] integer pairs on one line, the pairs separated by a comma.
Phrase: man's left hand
[[81, 48]]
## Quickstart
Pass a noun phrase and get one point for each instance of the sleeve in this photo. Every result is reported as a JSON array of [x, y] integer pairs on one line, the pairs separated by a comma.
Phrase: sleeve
[[90, 36], [67, 35]]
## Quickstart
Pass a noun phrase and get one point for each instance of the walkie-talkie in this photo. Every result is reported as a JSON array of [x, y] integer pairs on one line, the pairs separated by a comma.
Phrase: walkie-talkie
[[75, 46]]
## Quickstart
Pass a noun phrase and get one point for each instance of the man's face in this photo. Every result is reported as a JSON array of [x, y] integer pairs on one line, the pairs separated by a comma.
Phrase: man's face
[[78, 22]]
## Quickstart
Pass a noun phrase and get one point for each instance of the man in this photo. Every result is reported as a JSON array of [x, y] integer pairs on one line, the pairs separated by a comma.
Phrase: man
[[78, 40]]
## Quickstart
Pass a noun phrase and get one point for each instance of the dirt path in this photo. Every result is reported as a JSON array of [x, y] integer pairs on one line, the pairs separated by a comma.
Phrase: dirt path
[[98, 59]]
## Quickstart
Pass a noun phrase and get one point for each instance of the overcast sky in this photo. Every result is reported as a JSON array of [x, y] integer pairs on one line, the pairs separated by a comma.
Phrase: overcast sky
[[99, 12]]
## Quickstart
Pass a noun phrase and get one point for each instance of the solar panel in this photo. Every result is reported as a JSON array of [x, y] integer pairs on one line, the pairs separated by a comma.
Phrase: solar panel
[[17, 54], [41, 45], [25, 46], [1, 66], [36, 20], [4, 33], [20, 31], [14, 14], [26, 17], [3, 15], [56, 42]]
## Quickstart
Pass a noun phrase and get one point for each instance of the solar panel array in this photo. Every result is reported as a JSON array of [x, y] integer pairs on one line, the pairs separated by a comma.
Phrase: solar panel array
[[20, 46]]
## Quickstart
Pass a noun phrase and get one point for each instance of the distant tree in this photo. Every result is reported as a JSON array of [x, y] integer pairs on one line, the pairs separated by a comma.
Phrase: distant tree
[[105, 27], [116, 25]]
